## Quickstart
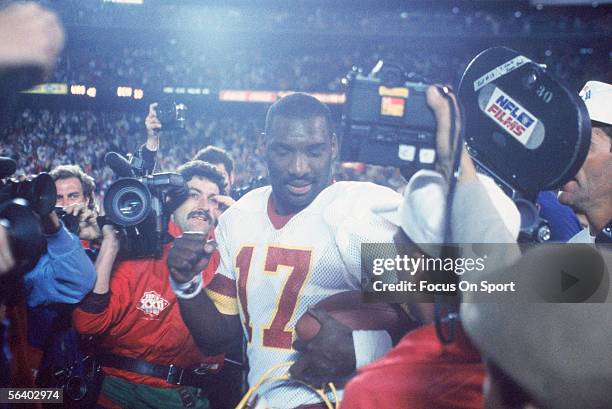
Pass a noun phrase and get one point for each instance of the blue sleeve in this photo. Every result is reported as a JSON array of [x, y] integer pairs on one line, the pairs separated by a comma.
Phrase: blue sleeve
[[63, 275], [563, 221]]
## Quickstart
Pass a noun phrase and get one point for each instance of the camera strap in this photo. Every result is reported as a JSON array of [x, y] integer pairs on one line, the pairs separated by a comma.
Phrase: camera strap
[[446, 314]]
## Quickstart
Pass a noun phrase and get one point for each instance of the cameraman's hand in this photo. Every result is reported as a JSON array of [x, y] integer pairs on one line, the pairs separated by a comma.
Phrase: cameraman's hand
[[31, 35], [223, 203], [110, 236], [88, 225], [446, 143], [189, 255], [50, 223], [153, 126], [7, 260], [440, 98]]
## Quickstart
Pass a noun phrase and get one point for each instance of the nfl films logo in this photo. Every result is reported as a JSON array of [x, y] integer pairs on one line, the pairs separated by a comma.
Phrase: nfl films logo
[[152, 304], [511, 116]]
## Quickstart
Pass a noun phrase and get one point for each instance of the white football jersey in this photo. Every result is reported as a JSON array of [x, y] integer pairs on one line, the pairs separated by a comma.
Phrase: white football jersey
[[271, 272]]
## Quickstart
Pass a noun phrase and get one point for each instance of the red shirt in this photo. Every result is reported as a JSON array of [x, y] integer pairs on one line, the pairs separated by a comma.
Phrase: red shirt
[[143, 320], [420, 373]]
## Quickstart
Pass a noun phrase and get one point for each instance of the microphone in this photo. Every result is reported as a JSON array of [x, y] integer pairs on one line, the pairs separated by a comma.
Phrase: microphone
[[119, 165], [7, 167]]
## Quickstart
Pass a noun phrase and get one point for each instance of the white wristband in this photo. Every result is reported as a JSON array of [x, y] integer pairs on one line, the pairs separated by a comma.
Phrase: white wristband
[[188, 290]]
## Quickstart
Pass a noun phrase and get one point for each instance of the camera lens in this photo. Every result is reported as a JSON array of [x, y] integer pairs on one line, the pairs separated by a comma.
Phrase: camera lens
[[130, 204], [76, 388], [127, 202]]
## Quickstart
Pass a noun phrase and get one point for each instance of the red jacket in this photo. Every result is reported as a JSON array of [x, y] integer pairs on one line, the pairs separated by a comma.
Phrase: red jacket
[[420, 373], [142, 319]]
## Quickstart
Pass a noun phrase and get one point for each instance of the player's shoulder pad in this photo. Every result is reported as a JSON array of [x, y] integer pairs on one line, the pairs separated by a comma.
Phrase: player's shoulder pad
[[255, 201], [356, 200]]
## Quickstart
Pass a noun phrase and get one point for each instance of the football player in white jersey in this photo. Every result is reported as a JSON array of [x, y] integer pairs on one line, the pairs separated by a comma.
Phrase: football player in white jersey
[[283, 248]]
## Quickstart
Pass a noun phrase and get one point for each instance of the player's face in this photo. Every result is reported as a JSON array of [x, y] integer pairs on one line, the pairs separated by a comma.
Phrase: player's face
[[197, 212], [299, 155], [591, 190], [69, 192]]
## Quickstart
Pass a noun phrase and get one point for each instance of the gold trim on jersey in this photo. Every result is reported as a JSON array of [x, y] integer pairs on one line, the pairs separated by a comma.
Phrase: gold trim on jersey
[[225, 304]]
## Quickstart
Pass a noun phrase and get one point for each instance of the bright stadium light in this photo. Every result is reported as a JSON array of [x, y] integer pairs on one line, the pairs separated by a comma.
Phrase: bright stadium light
[[124, 92], [91, 92], [77, 89], [138, 93]]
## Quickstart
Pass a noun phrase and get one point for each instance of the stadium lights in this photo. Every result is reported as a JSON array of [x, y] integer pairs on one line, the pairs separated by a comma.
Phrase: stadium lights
[[186, 90], [78, 89], [91, 92], [52, 88], [125, 92], [138, 93], [271, 96]]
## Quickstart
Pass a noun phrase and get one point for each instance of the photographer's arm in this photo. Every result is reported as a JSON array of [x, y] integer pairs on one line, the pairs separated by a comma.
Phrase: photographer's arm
[[64, 274], [153, 126], [148, 151], [213, 325], [106, 259]]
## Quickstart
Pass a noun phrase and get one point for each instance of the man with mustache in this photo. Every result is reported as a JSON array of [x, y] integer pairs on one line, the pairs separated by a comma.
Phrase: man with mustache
[[149, 354]]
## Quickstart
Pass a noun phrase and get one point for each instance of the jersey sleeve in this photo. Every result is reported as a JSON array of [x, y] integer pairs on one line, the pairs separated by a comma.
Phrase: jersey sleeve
[[222, 287], [360, 225]]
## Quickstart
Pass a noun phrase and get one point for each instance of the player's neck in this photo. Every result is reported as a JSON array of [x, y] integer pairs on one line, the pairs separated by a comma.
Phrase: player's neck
[[278, 218]]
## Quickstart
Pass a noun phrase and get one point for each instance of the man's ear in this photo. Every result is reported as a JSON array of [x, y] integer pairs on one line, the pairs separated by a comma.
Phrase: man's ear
[[335, 147]]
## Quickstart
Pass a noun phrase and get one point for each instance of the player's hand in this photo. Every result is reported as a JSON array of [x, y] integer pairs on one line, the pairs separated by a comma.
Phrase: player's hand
[[189, 255], [328, 356], [88, 224], [153, 126], [31, 35], [7, 260]]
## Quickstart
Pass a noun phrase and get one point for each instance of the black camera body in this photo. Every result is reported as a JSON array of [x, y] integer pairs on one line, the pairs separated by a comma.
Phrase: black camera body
[[22, 203], [515, 109], [386, 120], [140, 206], [238, 191], [172, 115]]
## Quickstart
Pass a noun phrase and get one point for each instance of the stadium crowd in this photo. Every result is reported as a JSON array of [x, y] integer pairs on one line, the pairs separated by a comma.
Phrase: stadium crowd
[[496, 20], [322, 69], [42, 140]]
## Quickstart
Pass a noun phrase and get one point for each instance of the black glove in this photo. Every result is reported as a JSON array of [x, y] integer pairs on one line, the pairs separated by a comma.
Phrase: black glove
[[328, 356]]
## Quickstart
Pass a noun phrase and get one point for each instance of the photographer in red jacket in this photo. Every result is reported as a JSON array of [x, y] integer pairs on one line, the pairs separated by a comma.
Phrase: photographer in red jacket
[[150, 359]]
